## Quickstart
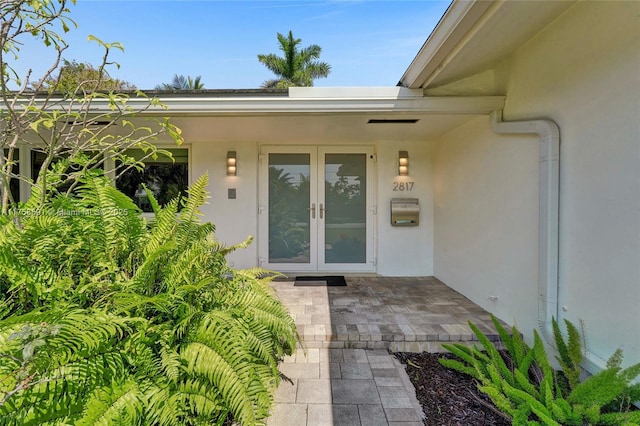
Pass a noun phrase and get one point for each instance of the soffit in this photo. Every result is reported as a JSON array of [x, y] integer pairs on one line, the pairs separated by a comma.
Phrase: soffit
[[327, 115], [460, 48], [311, 115], [316, 128]]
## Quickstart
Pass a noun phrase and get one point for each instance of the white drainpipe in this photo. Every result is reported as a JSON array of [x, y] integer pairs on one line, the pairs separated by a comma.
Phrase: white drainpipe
[[548, 222], [549, 175]]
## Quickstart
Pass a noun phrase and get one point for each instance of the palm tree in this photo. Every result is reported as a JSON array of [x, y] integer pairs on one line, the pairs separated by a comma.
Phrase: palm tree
[[298, 67], [180, 82]]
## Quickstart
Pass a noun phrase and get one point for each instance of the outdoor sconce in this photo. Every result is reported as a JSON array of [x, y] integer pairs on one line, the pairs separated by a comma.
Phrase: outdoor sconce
[[231, 163], [403, 163]]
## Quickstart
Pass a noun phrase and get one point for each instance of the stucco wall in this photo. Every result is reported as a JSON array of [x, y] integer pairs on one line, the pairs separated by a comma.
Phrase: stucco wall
[[399, 251], [235, 219], [405, 251], [486, 219], [582, 71]]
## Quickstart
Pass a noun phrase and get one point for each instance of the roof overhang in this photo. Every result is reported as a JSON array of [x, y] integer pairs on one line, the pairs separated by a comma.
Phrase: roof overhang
[[305, 115], [307, 100], [474, 36]]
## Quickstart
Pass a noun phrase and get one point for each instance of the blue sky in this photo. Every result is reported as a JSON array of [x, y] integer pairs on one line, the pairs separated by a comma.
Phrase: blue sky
[[367, 43]]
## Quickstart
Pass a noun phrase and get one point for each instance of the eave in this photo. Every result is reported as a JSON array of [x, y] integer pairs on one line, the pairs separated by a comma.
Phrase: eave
[[387, 100], [475, 36]]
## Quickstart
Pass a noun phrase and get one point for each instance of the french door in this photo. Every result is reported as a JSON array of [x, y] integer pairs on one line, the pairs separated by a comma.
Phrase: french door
[[316, 209]]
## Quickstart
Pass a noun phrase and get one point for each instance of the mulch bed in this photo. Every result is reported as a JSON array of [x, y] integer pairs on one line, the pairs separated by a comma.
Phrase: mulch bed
[[448, 397]]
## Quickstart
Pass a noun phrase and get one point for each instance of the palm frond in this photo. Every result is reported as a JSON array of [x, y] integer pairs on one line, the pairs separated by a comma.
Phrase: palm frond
[[298, 66]]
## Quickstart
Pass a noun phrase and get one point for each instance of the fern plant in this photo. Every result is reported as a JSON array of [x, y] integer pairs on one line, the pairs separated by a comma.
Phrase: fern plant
[[51, 362], [522, 384], [107, 318]]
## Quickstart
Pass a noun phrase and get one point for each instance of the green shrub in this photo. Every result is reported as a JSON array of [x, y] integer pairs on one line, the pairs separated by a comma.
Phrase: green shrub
[[106, 318], [522, 384]]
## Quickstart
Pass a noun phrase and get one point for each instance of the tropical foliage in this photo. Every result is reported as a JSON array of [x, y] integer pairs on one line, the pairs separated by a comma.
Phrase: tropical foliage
[[74, 76], [298, 66], [180, 82], [522, 384], [106, 318], [67, 110]]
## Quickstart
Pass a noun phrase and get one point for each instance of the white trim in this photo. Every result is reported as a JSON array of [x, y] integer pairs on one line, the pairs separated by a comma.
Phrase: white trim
[[344, 92], [24, 166], [450, 105], [316, 261], [454, 25], [220, 106], [370, 225], [263, 219]]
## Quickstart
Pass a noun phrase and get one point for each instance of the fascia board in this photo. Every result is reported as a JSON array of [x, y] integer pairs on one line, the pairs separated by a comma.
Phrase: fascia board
[[266, 106], [457, 21], [451, 105], [358, 92]]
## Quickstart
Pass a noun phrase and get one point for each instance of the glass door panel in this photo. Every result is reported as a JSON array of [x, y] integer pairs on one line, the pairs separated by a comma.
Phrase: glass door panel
[[289, 207], [345, 208], [316, 210]]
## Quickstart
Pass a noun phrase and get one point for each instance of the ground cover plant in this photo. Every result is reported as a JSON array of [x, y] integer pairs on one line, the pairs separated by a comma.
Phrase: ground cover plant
[[448, 397], [107, 318], [522, 384]]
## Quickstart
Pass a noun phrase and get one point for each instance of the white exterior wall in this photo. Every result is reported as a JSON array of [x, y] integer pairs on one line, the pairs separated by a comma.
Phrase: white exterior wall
[[400, 251], [235, 219], [486, 219], [405, 251], [583, 72]]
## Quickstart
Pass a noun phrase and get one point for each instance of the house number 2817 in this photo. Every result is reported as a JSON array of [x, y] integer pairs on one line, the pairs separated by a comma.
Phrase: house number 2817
[[403, 186]]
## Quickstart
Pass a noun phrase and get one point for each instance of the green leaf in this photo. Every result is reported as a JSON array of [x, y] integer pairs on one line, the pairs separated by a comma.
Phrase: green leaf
[[458, 366], [627, 418], [598, 389]]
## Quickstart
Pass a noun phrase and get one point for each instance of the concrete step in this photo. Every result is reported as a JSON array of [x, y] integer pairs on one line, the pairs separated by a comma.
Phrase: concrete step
[[394, 337]]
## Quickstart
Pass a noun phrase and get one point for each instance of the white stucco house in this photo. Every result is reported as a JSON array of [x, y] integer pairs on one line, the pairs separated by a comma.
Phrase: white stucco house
[[517, 130]]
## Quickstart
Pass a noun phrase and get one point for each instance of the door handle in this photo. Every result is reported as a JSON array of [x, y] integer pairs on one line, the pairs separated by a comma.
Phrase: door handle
[[322, 211], [312, 209]]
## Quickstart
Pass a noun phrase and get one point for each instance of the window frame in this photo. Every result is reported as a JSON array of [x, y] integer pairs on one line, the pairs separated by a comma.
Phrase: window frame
[[110, 166], [25, 169]]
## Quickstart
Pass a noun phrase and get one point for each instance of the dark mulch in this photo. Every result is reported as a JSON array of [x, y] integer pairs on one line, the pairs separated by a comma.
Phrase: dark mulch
[[448, 397]]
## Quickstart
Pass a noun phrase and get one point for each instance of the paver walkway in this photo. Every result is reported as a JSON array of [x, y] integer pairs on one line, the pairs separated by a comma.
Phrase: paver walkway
[[345, 387], [348, 377], [412, 314]]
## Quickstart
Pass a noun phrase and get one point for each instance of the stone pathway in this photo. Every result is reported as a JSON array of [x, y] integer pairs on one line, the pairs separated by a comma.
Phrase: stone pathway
[[348, 377], [345, 387]]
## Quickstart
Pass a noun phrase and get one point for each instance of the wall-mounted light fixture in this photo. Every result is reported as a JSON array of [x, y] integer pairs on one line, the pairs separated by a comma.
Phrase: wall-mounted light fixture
[[403, 163], [232, 166]]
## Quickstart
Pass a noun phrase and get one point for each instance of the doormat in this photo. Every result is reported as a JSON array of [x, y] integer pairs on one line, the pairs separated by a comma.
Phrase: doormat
[[311, 281]]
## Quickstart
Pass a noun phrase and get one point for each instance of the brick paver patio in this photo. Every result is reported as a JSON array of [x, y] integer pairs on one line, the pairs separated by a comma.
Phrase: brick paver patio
[[412, 314], [348, 375]]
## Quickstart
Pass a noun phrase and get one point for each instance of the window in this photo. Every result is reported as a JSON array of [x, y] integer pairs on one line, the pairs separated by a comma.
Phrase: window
[[38, 158], [164, 177]]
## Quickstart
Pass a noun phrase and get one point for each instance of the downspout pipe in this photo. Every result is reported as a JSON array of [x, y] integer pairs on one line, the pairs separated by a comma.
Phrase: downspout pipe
[[548, 217], [548, 222]]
